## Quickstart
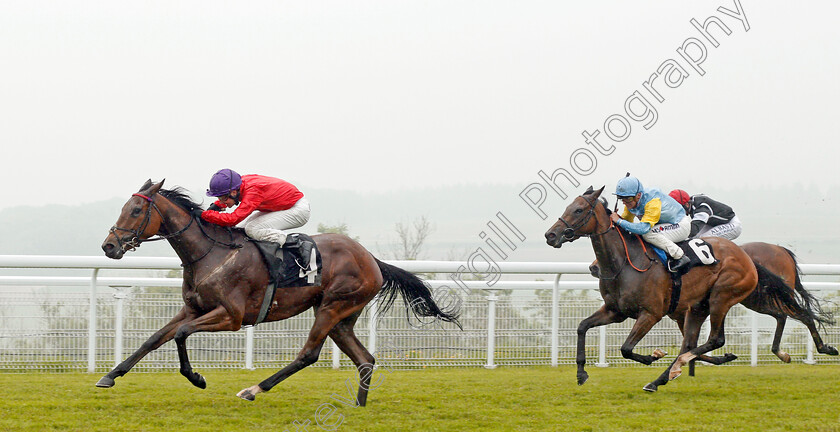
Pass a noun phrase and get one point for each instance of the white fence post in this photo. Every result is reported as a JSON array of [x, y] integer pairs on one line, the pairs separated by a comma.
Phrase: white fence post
[[249, 348], [371, 347], [120, 295], [555, 321], [491, 330], [336, 356], [602, 347], [754, 339], [92, 324], [809, 354]]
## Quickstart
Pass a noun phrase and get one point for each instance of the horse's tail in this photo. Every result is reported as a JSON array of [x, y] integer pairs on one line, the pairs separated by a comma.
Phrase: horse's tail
[[797, 303], [415, 293], [812, 306]]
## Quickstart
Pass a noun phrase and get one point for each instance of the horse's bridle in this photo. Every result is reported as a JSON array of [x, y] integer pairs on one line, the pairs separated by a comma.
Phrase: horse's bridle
[[570, 233], [135, 241]]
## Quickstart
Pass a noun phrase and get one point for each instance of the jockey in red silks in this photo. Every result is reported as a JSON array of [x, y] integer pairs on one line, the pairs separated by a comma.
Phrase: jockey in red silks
[[265, 206]]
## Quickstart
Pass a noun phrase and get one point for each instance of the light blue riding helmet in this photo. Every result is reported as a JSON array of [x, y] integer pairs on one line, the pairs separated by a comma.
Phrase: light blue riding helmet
[[628, 186]]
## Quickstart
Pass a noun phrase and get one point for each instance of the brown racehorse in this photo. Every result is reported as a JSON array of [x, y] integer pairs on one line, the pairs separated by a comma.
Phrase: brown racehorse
[[796, 302], [645, 293], [225, 281], [803, 307], [782, 262]]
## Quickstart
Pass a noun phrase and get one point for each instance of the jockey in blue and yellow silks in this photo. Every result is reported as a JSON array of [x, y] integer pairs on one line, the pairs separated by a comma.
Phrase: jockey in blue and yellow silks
[[662, 220]]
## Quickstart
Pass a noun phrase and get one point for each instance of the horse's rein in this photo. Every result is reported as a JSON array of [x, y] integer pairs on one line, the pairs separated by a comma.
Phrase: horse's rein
[[627, 250], [627, 253]]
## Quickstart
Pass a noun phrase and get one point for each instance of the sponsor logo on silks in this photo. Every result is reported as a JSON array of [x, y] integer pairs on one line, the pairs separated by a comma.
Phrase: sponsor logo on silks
[[669, 227]]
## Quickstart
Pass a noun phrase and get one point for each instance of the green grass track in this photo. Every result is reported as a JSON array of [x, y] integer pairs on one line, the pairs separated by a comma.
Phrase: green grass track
[[735, 398]]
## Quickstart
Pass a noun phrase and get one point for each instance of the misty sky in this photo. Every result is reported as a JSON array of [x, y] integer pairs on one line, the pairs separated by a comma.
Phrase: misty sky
[[98, 96]]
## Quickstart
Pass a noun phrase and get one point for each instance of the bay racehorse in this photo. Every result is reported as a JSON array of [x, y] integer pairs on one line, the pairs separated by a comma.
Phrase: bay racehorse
[[225, 280], [644, 293], [793, 301], [800, 304], [782, 262], [797, 303]]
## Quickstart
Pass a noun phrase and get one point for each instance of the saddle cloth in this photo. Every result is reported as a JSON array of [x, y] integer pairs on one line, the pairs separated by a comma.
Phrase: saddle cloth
[[697, 250], [296, 264], [287, 266]]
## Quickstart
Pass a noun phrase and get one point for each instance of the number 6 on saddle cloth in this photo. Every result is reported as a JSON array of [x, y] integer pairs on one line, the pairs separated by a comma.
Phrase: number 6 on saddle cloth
[[697, 250]]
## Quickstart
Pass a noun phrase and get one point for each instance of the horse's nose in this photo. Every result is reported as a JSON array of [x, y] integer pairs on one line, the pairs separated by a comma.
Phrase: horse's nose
[[550, 237], [111, 250]]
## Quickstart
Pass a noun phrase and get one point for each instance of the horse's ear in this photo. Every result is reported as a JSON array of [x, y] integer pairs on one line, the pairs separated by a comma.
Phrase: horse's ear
[[155, 188], [598, 192], [146, 185], [588, 190]]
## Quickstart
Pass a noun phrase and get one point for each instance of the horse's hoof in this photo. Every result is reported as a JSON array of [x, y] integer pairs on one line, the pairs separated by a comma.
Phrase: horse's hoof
[[650, 388], [829, 350], [674, 374], [658, 353], [198, 381], [783, 356], [728, 357], [247, 395], [582, 377], [105, 382]]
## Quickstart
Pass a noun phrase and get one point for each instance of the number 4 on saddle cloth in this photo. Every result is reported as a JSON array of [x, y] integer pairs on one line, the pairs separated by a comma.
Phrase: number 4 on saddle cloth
[[296, 264]]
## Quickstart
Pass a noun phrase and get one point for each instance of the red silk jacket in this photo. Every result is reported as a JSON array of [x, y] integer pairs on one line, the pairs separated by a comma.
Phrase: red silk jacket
[[257, 192]]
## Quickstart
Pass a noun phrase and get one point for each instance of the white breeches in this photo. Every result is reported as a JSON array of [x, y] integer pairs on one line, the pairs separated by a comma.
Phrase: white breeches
[[665, 236], [729, 231], [270, 226]]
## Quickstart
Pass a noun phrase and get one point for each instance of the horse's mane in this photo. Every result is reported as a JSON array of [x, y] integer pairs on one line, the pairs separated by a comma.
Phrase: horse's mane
[[181, 198], [606, 205]]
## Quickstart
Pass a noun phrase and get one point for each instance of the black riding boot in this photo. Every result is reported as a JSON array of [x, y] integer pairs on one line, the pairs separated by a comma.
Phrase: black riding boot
[[305, 253], [292, 242], [675, 265], [302, 246]]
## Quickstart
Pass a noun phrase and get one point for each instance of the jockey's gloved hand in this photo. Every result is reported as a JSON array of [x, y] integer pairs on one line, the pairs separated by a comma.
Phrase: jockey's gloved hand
[[196, 213], [214, 207]]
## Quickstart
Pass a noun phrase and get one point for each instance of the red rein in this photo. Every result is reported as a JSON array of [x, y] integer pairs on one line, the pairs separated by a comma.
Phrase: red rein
[[627, 252]]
